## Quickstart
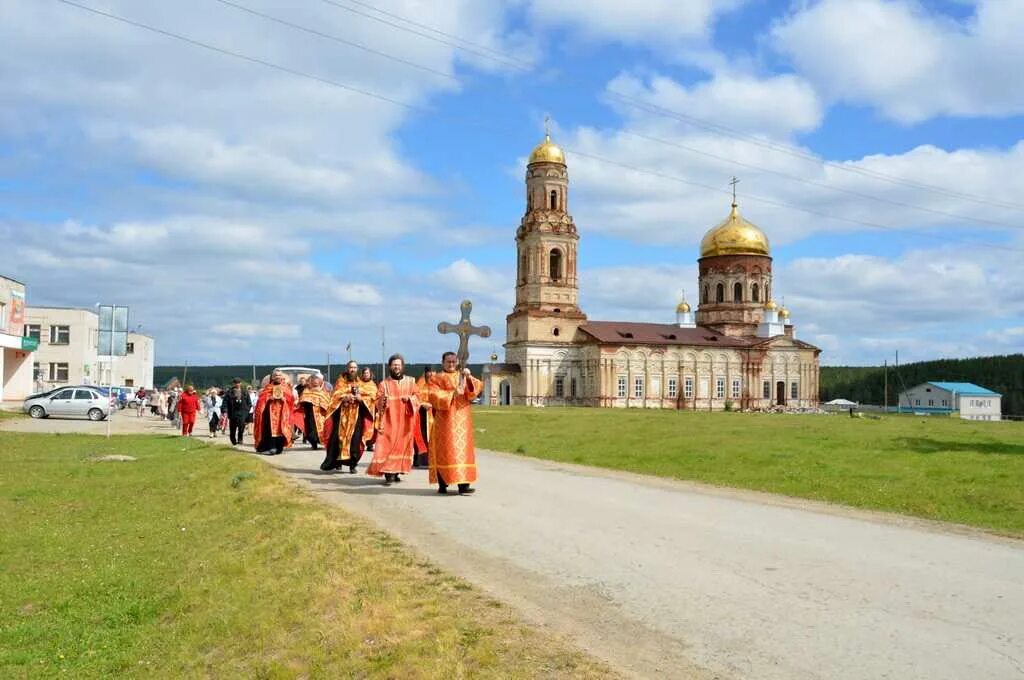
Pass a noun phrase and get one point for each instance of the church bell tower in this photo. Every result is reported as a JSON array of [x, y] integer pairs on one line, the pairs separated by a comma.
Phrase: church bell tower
[[547, 290]]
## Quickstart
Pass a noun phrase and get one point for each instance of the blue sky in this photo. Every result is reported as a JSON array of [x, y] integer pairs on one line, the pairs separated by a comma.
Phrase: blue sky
[[251, 215]]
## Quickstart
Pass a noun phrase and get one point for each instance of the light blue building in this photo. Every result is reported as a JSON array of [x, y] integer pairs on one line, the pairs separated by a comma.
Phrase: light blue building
[[971, 401]]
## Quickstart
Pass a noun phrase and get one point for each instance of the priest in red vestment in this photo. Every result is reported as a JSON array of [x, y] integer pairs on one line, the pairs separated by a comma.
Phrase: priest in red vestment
[[311, 415], [350, 417], [398, 411], [452, 449], [272, 417]]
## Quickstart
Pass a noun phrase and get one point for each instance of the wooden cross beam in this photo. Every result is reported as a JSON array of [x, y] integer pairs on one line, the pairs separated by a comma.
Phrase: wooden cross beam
[[464, 329]]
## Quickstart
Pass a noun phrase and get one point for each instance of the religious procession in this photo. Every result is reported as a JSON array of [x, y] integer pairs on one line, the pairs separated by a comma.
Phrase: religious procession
[[404, 422]]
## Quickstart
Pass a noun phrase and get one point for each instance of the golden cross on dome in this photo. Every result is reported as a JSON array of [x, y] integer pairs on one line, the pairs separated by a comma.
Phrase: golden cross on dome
[[547, 126], [734, 182]]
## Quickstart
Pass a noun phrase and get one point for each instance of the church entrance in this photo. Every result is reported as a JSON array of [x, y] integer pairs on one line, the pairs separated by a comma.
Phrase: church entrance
[[780, 393], [505, 393]]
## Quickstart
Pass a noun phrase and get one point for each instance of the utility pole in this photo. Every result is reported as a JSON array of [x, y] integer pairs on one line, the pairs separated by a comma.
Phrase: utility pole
[[885, 399], [328, 367], [383, 370]]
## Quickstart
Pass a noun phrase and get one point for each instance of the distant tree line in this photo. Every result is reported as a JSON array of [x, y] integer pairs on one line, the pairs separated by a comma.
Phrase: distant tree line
[[221, 376], [865, 384]]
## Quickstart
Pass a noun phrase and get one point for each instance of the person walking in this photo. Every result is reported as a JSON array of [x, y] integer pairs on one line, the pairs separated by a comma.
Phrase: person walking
[[141, 401], [186, 407], [212, 403], [237, 406]]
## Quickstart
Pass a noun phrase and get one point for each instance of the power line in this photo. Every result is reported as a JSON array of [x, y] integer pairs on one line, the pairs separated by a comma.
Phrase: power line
[[337, 39], [470, 50], [477, 123], [783, 204], [715, 127], [524, 64], [812, 182], [799, 153]]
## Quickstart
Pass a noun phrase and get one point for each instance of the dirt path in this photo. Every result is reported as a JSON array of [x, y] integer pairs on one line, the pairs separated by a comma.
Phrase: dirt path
[[670, 579]]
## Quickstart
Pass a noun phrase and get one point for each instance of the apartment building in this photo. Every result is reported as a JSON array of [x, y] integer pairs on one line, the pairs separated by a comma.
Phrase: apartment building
[[16, 351], [67, 354]]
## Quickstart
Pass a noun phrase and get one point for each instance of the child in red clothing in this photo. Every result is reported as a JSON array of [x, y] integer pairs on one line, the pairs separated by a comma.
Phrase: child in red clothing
[[188, 406]]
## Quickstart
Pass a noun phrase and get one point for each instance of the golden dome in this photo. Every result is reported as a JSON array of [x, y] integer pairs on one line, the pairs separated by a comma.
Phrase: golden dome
[[683, 307], [734, 236], [547, 152], [770, 305], [783, 313]]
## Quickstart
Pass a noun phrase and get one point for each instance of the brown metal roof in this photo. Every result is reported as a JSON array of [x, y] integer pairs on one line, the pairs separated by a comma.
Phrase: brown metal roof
[[632, 333]]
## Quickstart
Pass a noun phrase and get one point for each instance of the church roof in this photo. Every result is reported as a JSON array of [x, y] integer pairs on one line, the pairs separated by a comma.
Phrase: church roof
[[633, 333]]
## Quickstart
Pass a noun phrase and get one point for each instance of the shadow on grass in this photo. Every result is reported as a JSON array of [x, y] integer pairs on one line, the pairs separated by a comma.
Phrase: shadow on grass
[[925, 445]]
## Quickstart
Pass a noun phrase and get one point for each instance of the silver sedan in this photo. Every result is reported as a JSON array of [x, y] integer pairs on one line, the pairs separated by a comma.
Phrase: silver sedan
[[73, 402]]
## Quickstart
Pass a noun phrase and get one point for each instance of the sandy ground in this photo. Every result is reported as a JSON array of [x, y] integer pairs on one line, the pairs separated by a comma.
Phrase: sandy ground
[[668, 579]]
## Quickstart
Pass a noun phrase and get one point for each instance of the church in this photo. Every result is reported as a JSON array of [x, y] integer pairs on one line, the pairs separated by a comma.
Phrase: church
[[737, 351]]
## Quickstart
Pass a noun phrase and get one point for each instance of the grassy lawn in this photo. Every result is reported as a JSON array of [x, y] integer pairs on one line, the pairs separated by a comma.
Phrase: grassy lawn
[[199, 561], [940, 468]]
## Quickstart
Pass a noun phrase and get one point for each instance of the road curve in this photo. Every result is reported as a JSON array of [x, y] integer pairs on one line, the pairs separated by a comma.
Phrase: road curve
[[672, 579]]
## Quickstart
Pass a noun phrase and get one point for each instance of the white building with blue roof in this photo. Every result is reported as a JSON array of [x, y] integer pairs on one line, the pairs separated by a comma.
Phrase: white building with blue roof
[[973, 402]]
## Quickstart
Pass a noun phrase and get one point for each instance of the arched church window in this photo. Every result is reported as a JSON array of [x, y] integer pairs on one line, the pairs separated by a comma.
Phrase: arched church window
[[554, 200], [720, 293], [704, 296], [755, 293], [737, 292], [555, 265], [522, 268]]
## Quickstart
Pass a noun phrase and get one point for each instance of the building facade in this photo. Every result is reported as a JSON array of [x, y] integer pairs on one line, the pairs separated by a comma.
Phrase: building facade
[[67, 355], [16, 352], [971, 401], [738, 351]]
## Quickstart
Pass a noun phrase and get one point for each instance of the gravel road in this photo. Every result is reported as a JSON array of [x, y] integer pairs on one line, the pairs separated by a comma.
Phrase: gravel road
[[669, 579]]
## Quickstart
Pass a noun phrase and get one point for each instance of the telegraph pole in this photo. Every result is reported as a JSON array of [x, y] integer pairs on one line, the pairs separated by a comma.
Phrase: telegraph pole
[[885, 399]]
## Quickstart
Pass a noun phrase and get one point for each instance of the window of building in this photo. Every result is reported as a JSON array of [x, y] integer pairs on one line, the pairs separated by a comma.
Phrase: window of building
[[622, 387], [130, 348], [720, 388], [572, 388], [945, 402], [755, 293], [737, 292], [931, 402], [704, 295], [638, 387], [555, 264], [766, 389], [60, 335], [720, 293], [37, 371], [560, 386], [59, 372], [917, 402], [688, 387], [555, 332], [736, 386], [793, 390], [554, 200], [129, 382], [33, 330], [522, 268], [673, 387], [3, 316]]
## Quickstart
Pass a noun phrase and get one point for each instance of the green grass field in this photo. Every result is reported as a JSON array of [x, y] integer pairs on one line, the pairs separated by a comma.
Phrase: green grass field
[[940, 468], [196, 561]]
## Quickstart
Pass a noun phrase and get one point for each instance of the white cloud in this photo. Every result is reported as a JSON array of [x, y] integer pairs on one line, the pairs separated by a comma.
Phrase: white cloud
[[664, 22], [254, 330], [911, 64]]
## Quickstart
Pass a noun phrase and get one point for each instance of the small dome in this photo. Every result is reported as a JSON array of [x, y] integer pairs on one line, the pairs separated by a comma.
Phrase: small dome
[[784, 313], [683, 307], [734, 236], [770, 305], [547, 152]]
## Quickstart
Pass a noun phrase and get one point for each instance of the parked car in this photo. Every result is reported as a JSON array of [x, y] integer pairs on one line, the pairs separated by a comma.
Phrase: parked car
[[81, 401]]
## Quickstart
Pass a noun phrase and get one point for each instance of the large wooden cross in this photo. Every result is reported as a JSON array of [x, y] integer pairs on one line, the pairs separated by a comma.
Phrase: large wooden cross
[[464, 329]]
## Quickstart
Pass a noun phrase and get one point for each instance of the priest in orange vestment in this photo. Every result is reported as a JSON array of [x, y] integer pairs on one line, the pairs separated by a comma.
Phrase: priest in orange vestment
[[452, 450], [314, 403], [351, 415], [398, 411], [272, 417]]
